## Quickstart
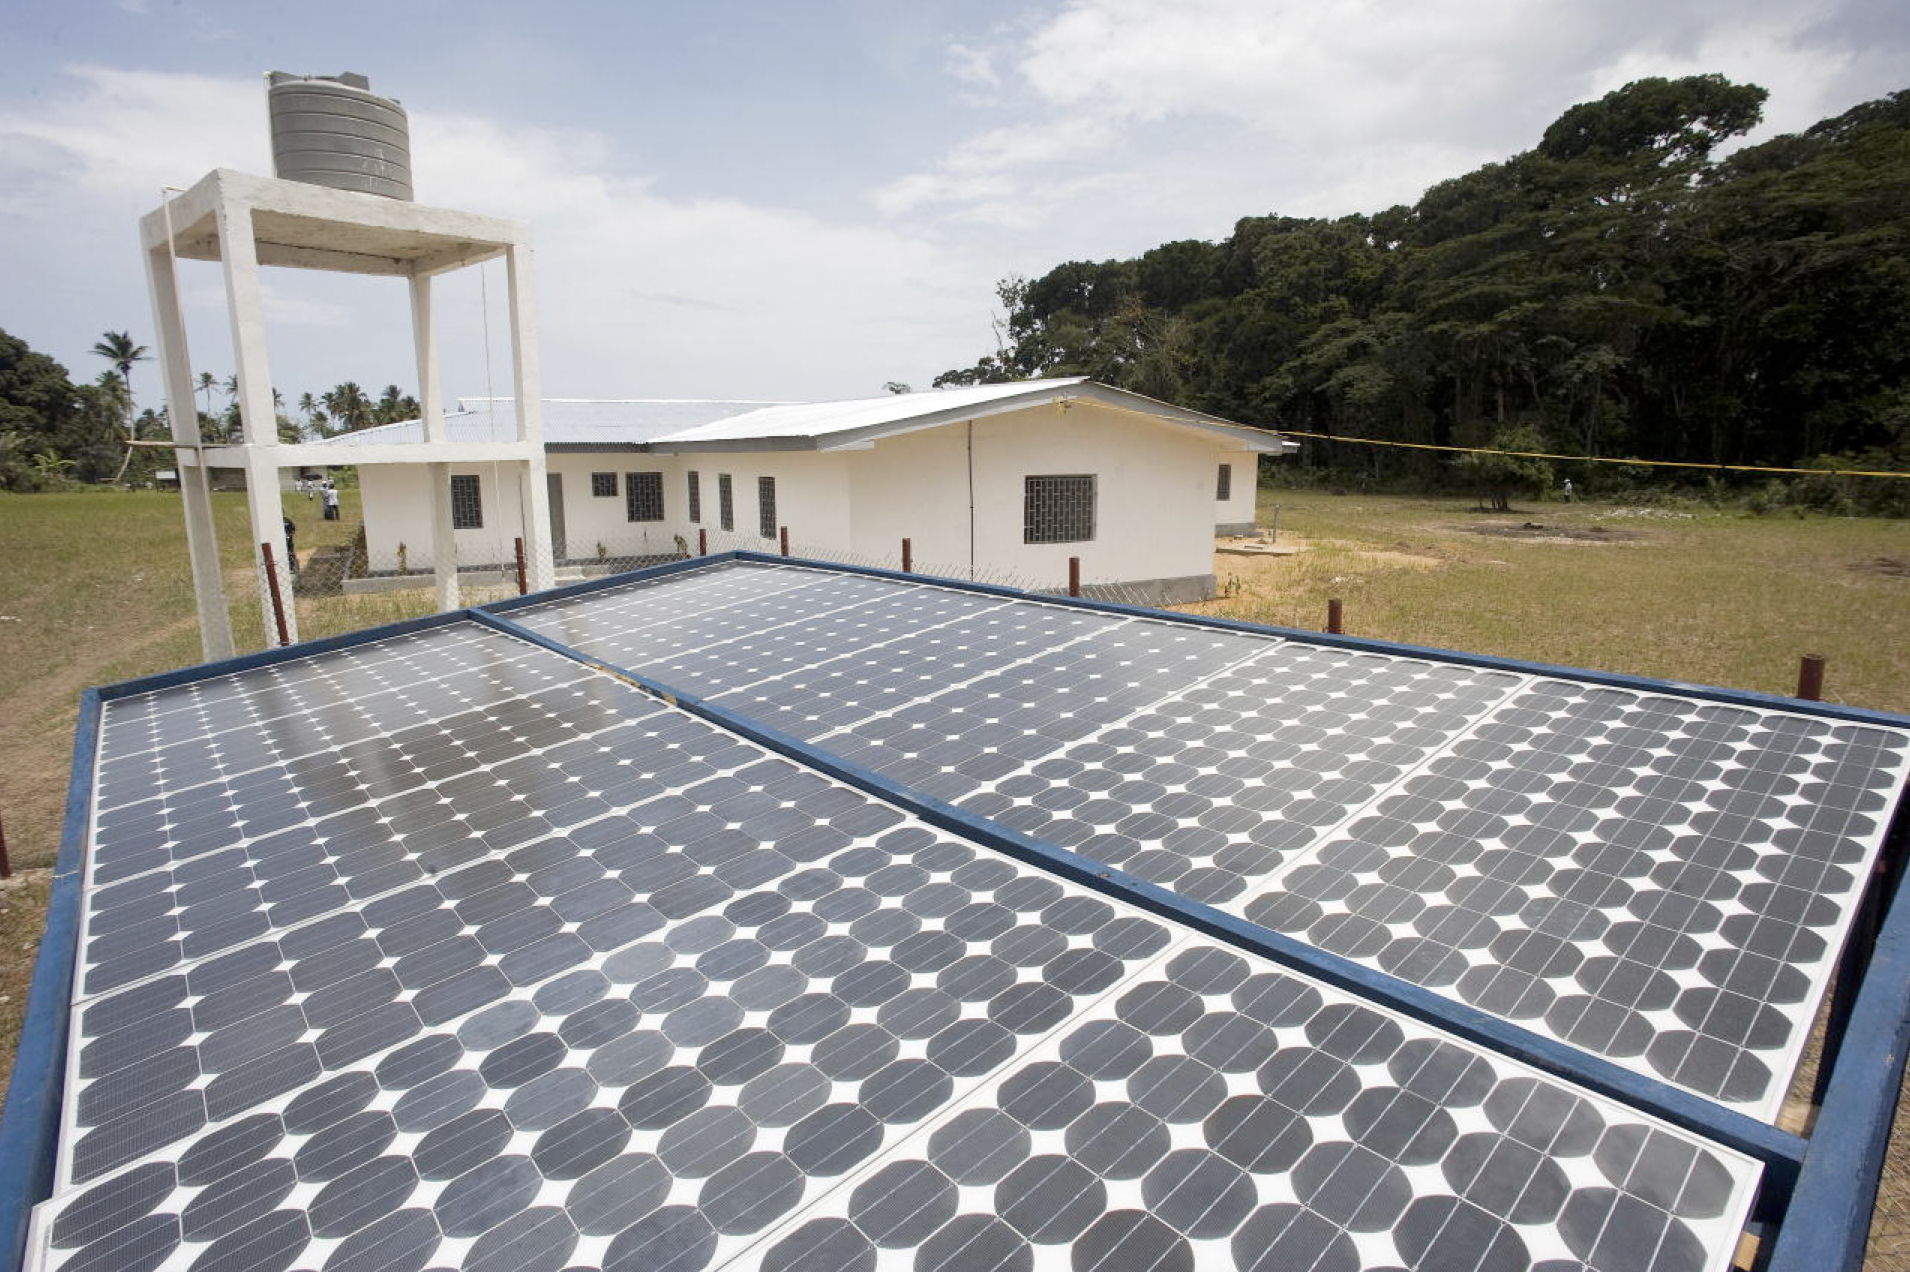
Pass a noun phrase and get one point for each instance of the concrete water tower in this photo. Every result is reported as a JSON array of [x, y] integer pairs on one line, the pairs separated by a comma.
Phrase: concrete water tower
[[341, 202]]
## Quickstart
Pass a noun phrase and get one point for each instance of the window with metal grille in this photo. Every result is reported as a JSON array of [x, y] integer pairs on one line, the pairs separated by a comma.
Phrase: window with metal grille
[[1224, 488], [643, 496], [696, 499], [1058, 509], [766, 507], [467, 503], [725, 502], [603, 485]]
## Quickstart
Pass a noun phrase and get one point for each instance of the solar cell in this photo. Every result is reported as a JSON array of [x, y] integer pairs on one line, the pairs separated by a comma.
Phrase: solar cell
[[446, 951], [1643, 876], [1660, 880]]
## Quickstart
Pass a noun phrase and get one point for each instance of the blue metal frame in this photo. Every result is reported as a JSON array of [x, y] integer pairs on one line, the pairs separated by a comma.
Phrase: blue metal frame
[[1836, 1191], [1608, 679], [1852, 1130], [1821, 1219], [1779, 1151], [30, 1124], [30, 1121]]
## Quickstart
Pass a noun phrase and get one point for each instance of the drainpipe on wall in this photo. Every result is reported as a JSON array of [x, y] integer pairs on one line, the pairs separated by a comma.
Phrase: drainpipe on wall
[[971, 501]]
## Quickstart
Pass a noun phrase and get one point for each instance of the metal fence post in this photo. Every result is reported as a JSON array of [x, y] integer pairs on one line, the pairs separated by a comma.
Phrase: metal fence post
[[523, 585], [783, 539], [908, 557], [278, 601], [1074, 576], [6, 867], [1334, 626], [702, 541]]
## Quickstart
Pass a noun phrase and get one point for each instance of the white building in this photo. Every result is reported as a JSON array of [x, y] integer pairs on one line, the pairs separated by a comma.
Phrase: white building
[[997, 480]]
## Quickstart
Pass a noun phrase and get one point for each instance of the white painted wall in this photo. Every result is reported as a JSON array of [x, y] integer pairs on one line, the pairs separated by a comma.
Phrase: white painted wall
[[1154, 490], [1154, 484], [397, 506], [1239, 510], [590, 520], [813, 497]]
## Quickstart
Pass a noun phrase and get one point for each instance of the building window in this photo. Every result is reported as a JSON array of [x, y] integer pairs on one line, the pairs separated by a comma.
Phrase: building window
[[1224, 488], [725, 502], [603, 485], [467, 504], [1058, 510], [643, 496], [766, 506], [696, 500]]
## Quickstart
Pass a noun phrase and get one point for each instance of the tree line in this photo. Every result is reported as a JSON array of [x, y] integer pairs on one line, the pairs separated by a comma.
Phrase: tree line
[[1614, 291], [54, 431]]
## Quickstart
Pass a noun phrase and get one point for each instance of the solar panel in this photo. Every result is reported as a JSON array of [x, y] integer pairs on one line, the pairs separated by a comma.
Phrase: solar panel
[[444, 951], [1661, 880]]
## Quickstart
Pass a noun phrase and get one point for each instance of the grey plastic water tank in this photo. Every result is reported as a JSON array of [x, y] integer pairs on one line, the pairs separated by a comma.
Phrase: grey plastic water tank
[[334, 131]]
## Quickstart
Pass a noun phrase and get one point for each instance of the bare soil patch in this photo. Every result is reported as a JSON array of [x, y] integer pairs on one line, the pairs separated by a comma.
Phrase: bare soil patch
[[1889, 567], [1534, 531]]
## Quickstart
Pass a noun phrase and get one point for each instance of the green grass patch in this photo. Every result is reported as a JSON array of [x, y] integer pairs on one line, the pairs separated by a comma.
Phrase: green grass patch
[[1698, 596]]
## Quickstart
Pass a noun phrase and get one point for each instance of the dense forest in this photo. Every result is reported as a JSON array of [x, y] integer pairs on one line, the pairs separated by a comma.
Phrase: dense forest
[[1615, 291], [55, 432]]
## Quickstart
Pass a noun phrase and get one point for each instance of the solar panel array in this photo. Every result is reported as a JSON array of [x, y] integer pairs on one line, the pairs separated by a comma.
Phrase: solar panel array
[[447, 950], [1659, 880]]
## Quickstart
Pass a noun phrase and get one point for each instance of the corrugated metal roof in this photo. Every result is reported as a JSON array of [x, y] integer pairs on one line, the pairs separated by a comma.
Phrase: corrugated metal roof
[[819, 419], [567, 421], [678, 424]]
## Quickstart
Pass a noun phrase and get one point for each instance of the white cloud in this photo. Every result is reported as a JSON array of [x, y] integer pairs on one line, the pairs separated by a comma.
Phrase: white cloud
[[124, 134], [645, 293], [984, 168], [639, 292], [1212, 109], [1806, 80], [972, 66]]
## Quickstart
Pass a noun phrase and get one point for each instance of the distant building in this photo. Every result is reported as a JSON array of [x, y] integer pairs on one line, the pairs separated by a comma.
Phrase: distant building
[[998, 479]]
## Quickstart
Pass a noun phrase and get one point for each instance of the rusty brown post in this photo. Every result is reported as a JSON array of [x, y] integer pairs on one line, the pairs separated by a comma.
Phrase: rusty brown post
[[703, 542], [1074, 576], [1810, 678], [278, 601], [1333, 616], [6, 867], [783, 536], [523, 585], [908, 557]]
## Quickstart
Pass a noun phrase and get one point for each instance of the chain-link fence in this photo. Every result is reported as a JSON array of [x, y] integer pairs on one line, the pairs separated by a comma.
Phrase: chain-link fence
[[342, 584], [1065, 581], [1889, 1249]]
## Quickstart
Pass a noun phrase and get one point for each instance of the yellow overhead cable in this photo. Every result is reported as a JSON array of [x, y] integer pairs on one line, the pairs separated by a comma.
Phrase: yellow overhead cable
[[1598, 459], [1486, 450]]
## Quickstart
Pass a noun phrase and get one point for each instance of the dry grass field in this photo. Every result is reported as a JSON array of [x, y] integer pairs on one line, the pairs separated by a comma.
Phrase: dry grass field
[[1698, 595], [94, 588]]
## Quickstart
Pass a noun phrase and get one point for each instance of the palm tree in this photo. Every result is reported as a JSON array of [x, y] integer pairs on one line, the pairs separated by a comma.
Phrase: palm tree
[[315, 418], [233, 422], [117, 347], [348, 405]]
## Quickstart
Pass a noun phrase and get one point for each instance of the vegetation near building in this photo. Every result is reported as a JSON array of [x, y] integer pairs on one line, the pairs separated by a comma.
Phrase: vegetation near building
[[1616, 290], [54, 432], [51, 430]]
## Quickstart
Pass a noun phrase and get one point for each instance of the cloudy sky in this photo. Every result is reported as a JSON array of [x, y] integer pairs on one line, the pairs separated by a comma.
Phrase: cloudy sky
[[772, 199]]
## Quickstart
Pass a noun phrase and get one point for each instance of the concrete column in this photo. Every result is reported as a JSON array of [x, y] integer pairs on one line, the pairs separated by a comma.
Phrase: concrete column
[[534, 494], [202, 544], [245, 304], [444, 542]]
